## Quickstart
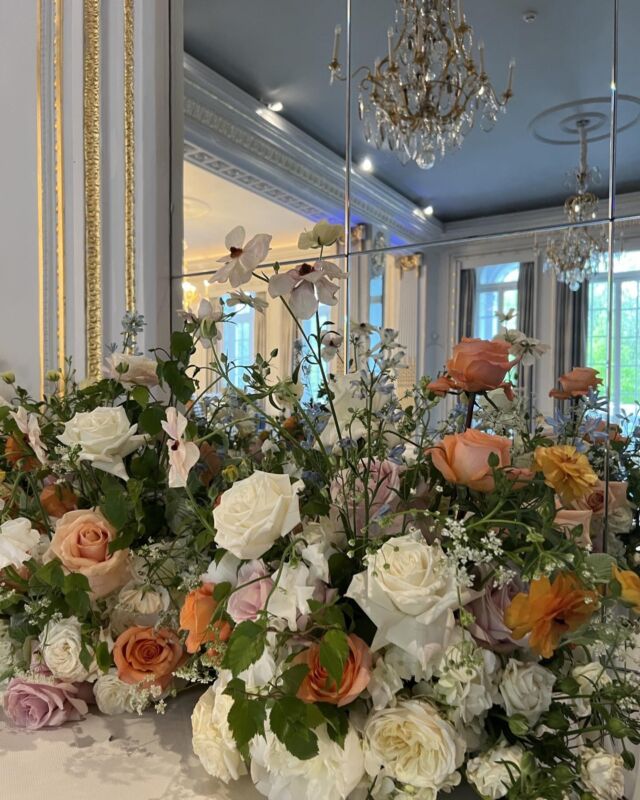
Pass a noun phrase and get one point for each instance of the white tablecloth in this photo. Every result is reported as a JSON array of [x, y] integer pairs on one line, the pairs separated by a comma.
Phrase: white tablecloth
[[112, 758]]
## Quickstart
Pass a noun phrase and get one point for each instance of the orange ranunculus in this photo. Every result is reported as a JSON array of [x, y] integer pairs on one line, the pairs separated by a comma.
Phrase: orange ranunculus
[[464, 458], [630, 585], [317, 686], [441, 386], [195, 616], [479, 365], [549, 610], [20, 455], [566, 470], [576, 383], [147, 655], [57, 499]]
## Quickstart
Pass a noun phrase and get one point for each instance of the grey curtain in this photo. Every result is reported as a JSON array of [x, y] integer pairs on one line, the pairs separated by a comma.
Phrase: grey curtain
[[527, 324], [571, 328], [467, 302]]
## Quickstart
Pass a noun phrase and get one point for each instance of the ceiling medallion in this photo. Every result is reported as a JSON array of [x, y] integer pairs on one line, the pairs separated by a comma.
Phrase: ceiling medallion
[[578, 251], [422, 98]]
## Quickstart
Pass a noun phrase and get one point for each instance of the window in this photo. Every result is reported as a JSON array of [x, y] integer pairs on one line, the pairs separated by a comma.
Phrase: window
[[312, 376], [376, 301], [238, 338], [625, 376], [496, 292]]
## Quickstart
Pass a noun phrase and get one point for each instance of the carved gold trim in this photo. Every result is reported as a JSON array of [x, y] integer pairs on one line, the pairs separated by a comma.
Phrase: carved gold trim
[[93, 217], [59, 182], [40, 192], [409, 262], [129, 160]]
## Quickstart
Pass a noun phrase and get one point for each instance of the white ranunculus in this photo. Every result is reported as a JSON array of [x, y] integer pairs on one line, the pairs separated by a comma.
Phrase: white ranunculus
[[212, 739], [139, 605], [493, 773], [132, 370], [467, 681], [526, 689], [409, 591], [291, 594], [105, 436], [590, 677], [602, 773], [6, 648], [331, 775], [255, 512], [17, 542], [413, 744], [346, 400], [60, 645], [112, 695]]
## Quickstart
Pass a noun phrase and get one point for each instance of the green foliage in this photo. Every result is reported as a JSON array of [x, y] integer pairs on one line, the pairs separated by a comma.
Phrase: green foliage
[[289, 721], [245, 646], [334, 651]]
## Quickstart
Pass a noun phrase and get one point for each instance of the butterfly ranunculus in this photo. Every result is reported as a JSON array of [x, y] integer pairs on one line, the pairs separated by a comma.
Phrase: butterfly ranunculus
[[242, 258]]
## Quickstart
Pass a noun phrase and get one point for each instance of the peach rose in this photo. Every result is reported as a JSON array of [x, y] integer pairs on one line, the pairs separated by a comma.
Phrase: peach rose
[[147, 655], [20, 455], [576, 383], [57, 499], [464, 458], [567, 519], [317, 686], [195, 617], [81, 542], [479, 365], [441, 386]]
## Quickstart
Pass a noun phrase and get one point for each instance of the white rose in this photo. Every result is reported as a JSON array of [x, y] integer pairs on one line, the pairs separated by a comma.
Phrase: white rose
[[17, 540], [410, 667], [255, 512], [105, 436], [408, 591], [6, 648], [112, 695], [331, 775], [139, 605], [132, 370], [212, 739], [526, 689], [590, 677], [467, 678], [494, 772], [413, 744], [225, 570], [60, 645], [346, 400], [602, 773]]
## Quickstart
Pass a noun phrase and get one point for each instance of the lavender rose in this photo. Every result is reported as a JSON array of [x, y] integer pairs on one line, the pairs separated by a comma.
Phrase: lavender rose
[[254, 587], [32, 704], [489, 629]]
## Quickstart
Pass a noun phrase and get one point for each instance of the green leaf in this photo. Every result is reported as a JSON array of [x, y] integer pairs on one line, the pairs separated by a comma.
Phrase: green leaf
[[85, 656], [150, 420], [181, 344], [288, 721], [51, 574], [334, 651], [493, 460], [144, 465], [337, 722], [221, 591], [341, 569], [74, 581], [115, 507], [293, 677], [246, 719], [600, 565], [245, 646], [141, 395], [103, 657], [78, 601]]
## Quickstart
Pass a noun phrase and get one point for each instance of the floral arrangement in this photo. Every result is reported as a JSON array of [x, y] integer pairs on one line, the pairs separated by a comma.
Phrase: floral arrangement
[[383, 598]]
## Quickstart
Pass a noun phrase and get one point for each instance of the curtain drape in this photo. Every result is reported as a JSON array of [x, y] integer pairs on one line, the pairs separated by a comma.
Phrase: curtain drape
[[527, 324], [571, 328], [467, 302]]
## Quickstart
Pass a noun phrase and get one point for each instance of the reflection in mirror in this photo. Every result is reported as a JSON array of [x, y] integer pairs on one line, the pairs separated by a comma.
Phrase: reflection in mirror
[[627, 163]]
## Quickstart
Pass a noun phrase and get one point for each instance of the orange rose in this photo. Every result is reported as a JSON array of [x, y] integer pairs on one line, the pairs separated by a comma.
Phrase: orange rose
[[567, 519], [549, 610], [630, 585], [576, 383], [19, 454], [441, 386], [317, 686], [57, 499], [195, 617], [81, 542], [566, 470], [479, 365], [147, 655], [464, 458]]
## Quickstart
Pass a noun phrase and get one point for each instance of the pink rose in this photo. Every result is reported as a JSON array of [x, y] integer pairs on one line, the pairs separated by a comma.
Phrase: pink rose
[[382, 494], [567, 519], [464, 458], [33, 705], [489, 629], [255, 586]]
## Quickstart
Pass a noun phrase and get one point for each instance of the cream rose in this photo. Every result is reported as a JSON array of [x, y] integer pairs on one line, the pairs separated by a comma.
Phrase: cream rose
[[113, 696], [17, 541], [602, 773], [331, 775], [467, 678], [590, 677], [132, 370], [526, 689], [139, 605], [346, 400], [413, 744], [61, 645], [255, 512], [494, 772], [105, 436], [212, 739], [408, 591]]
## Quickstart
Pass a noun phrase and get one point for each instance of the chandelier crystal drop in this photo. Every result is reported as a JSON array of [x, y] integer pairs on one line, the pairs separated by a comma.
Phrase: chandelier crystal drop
[[578, 251], [423, 97]]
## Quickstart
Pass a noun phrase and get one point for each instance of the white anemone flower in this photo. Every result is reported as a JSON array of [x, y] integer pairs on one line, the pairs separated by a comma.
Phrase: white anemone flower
[[242, 258], [306, 286], [240, 298], [322, 234], [183, 455]]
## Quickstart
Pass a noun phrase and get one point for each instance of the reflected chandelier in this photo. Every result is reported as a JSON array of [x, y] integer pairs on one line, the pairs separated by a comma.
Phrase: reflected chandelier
[[422, 98], [578, 252]]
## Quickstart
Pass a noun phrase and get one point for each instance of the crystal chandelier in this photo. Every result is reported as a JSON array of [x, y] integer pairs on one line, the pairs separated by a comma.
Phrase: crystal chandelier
[[577, 252], [422, 98]]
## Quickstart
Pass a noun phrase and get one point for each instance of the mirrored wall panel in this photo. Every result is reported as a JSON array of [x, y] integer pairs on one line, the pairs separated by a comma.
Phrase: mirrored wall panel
[[628, 109]]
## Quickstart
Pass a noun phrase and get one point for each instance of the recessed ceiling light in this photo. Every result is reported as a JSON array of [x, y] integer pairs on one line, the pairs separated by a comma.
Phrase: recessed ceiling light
[[428, 210], [366, 165], [530, 16], [275, 106], [418, 212]]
